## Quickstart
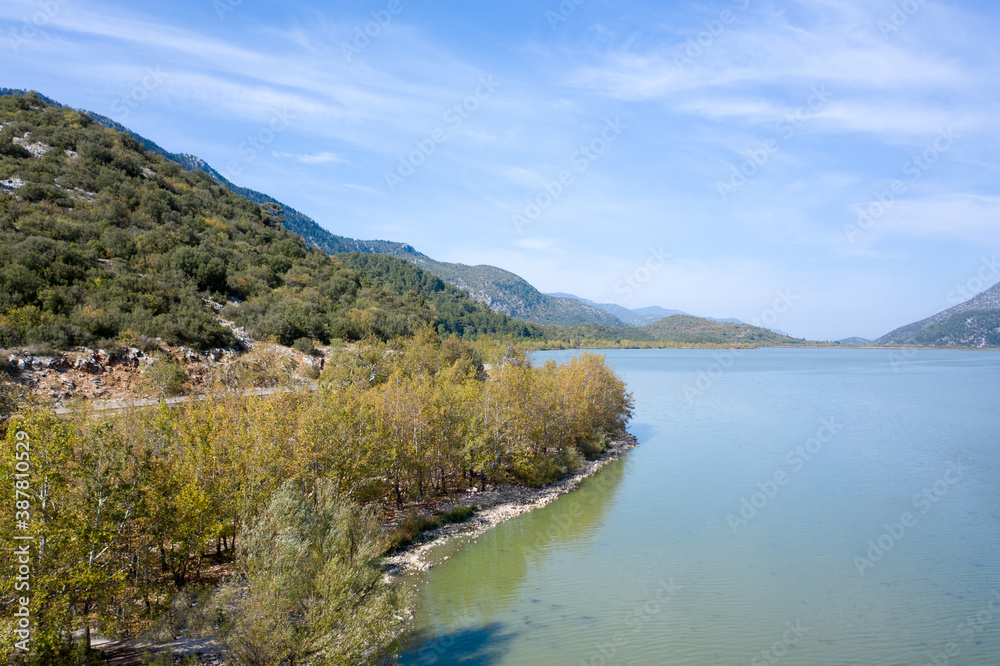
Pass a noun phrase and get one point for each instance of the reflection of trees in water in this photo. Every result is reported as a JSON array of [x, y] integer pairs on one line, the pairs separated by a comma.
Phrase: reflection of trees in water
[[484, 578]]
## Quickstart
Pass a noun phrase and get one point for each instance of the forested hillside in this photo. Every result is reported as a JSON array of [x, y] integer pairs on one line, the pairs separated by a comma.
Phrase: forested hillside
[[455, 311], [511, 294], [102, 241], [972, 328], [696, 330]]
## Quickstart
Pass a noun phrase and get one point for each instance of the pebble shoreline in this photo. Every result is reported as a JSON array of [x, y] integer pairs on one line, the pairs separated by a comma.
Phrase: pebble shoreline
[[497, 505]]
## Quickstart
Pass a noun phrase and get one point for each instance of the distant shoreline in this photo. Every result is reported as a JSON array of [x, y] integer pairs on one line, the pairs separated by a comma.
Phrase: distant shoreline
[[496, 506], [725, 347]]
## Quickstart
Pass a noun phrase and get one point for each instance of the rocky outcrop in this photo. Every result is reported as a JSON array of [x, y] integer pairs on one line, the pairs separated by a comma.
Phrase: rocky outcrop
[[36, 148]]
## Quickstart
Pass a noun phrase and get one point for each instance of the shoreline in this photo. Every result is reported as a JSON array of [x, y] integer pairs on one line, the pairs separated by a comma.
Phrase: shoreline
[[495, 506]]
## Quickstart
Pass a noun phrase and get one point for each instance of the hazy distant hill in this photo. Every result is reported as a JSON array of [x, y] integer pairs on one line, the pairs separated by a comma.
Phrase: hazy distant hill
[[974, 323], [696, 330], [511, 294], [855, 341], [640, 316], [655, 313], [626, 316]]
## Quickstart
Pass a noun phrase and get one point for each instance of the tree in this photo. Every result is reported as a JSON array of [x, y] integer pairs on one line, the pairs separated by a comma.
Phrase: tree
[[312, 591]]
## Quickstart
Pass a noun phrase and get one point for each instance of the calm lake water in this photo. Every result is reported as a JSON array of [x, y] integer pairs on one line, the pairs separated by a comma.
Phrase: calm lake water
[[786, 506]]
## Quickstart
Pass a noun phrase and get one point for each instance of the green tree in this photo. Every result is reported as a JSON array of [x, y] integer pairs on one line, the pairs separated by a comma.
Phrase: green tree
[[313, 591]]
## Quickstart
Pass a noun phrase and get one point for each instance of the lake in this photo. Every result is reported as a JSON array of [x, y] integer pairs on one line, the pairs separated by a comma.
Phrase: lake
[[785, 506]]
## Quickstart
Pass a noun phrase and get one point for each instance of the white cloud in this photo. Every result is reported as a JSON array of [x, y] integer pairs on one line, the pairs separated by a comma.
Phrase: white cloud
[[362, 188], [875, 85], [547, 245], [317, 158]]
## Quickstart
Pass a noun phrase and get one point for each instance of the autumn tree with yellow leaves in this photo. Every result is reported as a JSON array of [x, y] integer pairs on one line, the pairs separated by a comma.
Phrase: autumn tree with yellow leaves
[[129, 509]]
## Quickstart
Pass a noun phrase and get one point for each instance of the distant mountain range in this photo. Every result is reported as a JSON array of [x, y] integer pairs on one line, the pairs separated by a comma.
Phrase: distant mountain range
[[974, 323], [630, 317], [637, 316], [500, 290]]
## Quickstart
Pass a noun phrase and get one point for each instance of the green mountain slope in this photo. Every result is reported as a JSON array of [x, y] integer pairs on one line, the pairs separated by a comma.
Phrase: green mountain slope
[[456, 311], [511, 294], [974, 323], [500, 290], [295, 221], [299, 223], [103, 241], [696, 330]]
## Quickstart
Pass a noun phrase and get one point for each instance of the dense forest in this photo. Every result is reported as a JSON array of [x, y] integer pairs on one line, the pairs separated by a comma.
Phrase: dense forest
[[130, 511]]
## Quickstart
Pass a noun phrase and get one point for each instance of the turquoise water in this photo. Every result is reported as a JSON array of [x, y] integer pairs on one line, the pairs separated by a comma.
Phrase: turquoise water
[[785, 506]]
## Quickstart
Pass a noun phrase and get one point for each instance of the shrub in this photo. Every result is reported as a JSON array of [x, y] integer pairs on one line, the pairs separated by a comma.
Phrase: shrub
[[408, 531], [165, 377], [304, 345], [538, 471], [459, 514], [8, 147], [546, 468], [595, 445], [262, 367], [313, 588], [414, 525], [311, 371], [130, 338], [569, 460], [45, 348]]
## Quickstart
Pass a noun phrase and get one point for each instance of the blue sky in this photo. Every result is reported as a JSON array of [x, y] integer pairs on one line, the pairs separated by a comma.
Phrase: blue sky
[[837, 157]]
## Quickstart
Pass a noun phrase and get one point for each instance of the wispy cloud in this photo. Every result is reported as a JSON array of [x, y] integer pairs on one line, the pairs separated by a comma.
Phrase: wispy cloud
[[692, 120], [548, 245], [958, 215], [316, 158], [878, 85]]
